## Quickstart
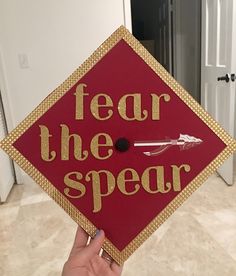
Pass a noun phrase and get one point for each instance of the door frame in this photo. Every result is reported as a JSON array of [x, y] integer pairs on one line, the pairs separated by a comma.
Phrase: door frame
[[178, 42], [127, 14], [8, 115]]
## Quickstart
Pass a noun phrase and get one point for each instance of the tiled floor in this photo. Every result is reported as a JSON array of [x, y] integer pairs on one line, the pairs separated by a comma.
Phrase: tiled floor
[[198, 240]]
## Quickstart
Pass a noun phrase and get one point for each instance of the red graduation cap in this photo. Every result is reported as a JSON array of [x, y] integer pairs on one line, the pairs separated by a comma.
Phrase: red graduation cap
[[120, 145]]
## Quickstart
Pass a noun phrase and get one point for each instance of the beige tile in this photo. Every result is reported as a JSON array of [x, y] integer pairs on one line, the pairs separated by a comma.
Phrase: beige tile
[[42, 235], [211, 196], [185, 249], [15, 196], [198, 240], [221, 225]]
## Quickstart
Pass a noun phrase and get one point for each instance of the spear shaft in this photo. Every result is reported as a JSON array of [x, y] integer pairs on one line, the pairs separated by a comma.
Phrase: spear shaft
[[178, 142]]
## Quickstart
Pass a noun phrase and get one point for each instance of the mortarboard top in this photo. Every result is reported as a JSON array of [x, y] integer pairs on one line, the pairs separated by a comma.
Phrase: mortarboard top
[[119, 145]]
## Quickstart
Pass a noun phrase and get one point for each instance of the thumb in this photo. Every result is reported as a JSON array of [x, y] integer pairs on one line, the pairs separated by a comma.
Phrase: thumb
[[95, 245]]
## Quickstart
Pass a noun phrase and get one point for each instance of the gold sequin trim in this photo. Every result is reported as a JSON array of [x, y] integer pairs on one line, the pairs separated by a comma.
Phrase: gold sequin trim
[[76, 215]]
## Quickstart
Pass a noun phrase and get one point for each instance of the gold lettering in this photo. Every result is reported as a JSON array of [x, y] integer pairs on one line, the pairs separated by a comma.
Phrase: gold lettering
[[45, 136], [65, 145], [94, 176], [79, 102], [95, 106], [176, 175], [138, 114], [95, 145], [122, 180], [160, 183], [156, 104], [74, 184]]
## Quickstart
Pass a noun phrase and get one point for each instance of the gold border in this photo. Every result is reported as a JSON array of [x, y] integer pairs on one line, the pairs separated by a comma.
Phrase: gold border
[[77, 216]]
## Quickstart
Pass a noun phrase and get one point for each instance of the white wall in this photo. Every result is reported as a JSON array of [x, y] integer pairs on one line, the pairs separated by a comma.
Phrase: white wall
[[56, 36], [6, 173]]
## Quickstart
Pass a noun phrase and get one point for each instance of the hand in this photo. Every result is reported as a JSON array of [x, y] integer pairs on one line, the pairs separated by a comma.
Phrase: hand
[[85, 261]]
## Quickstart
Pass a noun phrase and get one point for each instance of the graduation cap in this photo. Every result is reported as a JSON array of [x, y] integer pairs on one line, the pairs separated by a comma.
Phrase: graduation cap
[[119, 145]]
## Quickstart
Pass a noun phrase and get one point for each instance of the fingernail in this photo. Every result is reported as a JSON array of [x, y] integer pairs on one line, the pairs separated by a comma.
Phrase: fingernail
[[97, 232]]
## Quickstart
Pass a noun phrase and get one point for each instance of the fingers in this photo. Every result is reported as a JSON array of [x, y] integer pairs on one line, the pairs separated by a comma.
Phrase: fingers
[[95, 245], [116, 268], [80, 241], [107, 257], [92, 250]]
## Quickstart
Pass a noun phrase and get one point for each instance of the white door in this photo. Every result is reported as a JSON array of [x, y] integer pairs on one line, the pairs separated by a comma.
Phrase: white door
[[6, 166], [219, 59]]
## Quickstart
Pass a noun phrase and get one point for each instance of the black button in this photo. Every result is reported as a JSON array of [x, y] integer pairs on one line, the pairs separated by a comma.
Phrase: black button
[[122, 144]]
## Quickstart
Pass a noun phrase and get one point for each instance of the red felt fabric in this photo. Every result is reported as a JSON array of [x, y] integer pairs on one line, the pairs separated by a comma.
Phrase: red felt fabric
[[121, 72]]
